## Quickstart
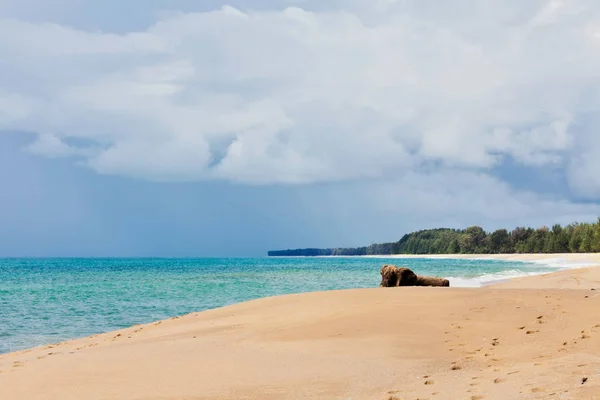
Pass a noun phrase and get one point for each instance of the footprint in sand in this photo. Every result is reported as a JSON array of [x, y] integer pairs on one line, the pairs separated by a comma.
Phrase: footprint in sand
[[429, 382], [477, 397], [531, 332], [499, 380], [18, 364]]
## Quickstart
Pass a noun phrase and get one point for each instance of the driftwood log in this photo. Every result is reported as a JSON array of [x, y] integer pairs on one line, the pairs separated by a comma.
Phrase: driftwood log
[[392, 276]]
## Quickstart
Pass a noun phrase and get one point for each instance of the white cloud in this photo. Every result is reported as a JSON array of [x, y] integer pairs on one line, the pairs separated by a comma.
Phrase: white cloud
[[455, 194], [383, 210], [51, 146], [362, 90], [13, 108], [583, 169]]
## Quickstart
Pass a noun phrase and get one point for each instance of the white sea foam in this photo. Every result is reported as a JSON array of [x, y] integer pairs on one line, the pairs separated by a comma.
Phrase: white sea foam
[[552, 264], [487, 279], [524, 267], [563, 263]]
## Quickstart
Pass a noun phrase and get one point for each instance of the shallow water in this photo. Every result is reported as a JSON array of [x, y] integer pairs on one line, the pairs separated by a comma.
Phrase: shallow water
[[49, 300]]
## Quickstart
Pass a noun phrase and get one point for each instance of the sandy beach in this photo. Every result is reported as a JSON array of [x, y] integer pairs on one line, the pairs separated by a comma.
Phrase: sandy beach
[[528, 338]]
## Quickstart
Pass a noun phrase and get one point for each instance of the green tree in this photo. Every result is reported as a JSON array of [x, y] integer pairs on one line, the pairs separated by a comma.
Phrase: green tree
[[575, 234], [479, 237], [467, 244], [560, 239], [596, 237], [587, 239], [500, 242], [453, 247]]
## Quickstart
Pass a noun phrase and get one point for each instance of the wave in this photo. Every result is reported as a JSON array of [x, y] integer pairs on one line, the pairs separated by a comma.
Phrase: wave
[[562, 263], [488, 279]]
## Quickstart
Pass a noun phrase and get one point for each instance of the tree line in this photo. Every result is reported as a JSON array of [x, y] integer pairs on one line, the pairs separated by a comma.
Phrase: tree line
[[573, 238]]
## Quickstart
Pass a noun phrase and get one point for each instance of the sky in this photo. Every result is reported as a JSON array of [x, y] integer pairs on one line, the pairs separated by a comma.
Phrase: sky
[[228, 128]]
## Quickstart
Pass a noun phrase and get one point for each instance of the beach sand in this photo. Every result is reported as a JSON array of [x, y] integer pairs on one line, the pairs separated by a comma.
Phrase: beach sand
[[529, 338]]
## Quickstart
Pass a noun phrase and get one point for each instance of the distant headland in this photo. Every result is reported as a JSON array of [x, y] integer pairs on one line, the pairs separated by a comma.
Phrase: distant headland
[[573, 238]]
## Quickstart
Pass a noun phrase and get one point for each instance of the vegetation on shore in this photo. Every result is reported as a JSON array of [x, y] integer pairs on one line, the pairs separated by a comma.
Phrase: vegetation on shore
[[573, 238]]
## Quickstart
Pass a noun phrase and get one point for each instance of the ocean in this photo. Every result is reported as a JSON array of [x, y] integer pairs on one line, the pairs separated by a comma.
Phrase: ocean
[[45, 301]]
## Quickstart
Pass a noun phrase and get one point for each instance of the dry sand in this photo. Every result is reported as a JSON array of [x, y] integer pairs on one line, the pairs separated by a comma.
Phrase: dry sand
[[531, 338]]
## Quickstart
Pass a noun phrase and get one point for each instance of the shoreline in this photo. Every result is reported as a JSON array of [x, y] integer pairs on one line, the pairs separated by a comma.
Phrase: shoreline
[[530, 337], [556, 261], [559, 261]]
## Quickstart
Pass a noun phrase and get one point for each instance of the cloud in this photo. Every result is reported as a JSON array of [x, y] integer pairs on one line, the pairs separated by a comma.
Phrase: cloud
[[344, 91], [51, 146], [372, 211], [452, 195]]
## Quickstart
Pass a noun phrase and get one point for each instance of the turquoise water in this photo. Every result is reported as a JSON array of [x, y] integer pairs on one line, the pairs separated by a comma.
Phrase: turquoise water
[[44, 301]]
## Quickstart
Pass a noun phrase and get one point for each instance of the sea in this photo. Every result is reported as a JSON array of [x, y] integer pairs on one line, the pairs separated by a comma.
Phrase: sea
[[44, 301]]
